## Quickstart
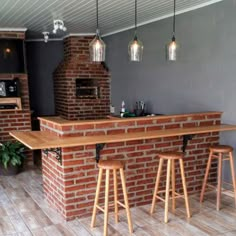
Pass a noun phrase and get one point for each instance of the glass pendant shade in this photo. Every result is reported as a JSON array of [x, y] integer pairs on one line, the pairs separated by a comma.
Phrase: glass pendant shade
[[135, 49], [172, 50], [97, 49]]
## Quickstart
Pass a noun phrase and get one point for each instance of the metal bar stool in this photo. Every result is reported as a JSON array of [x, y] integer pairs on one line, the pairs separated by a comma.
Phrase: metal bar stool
[[171, 157], [111, 165], [222, 153]]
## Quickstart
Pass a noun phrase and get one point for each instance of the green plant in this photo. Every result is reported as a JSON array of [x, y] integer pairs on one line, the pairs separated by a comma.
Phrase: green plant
[[11, 153]]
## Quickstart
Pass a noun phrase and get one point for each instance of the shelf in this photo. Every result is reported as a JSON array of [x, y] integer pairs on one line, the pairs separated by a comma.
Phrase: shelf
[[11, 101]]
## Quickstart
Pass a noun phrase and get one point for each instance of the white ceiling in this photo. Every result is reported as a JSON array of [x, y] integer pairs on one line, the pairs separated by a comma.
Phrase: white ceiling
[[80, 15]]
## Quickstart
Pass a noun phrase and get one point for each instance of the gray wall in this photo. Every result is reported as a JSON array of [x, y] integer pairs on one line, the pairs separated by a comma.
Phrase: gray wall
[[203, 78], [42, 59]]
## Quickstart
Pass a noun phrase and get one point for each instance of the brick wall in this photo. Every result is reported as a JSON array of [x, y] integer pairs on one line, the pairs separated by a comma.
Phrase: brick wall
[[76, 65], [70, 187], [16, 120]]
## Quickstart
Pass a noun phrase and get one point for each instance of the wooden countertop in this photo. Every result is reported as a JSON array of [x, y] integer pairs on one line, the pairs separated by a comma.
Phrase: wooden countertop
[[63, 122], [44, 139]]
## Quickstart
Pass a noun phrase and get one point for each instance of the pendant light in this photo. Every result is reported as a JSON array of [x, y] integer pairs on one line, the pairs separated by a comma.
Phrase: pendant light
[[172, 47], [97, 47], [135, 47]]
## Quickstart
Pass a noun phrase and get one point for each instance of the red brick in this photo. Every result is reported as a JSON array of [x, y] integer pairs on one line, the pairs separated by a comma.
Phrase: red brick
[[160, 145], [116, 131], [126, 149], [198, 117], [107, 151], [145, 147], [164, 120], [126, 123], [135, 130], [178, 119], [214, 116], [118, 144], [94, 133], [72, 149], [145, 122], [73, 163], [105, 125], [153, 128], [134, 154], [172, 126], [189, 124], [134, 142], [206, 123], [83, 127]]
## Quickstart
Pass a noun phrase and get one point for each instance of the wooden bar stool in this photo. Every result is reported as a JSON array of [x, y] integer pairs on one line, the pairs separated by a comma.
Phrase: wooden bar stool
[[111, 165], [170, 157], [222, 153]]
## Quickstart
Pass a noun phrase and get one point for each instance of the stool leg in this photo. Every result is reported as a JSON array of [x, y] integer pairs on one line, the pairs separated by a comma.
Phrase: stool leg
[[96, 198], [122, 176], [167, 190], [156, 185], [233, 174], [206, 176], [184, 188], [106, 208], [219, 182], [115, 196], [173, 185]]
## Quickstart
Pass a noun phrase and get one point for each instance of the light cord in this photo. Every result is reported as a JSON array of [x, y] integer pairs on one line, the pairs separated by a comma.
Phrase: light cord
[[174, 18], [97, 12]]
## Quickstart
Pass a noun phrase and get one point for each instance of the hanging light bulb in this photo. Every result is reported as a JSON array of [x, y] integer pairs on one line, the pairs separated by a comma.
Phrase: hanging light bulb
[[97, 47], [173, 46], [135, 47], [172, 50]]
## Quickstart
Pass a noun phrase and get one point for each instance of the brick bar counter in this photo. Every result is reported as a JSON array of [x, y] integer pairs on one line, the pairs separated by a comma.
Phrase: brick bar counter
[[70, 186]]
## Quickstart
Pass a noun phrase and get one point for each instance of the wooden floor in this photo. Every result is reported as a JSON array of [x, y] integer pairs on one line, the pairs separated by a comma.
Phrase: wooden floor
[[23, 211]]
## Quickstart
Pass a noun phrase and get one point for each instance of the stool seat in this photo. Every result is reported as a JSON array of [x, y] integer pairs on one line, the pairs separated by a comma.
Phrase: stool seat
[[221, 148], [170, 155], [110, 164]]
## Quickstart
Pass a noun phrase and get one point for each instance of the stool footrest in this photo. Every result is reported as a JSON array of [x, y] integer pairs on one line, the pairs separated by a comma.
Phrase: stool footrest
[[160, 198], [211, 186], [100, 208], [121, 204], [177, 195]]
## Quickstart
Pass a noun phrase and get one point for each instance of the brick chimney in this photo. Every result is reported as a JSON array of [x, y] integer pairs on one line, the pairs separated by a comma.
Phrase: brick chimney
[[82, 88]]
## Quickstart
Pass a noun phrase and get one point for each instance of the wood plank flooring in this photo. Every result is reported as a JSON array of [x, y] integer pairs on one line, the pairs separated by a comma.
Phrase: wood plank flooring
[[23, 212]]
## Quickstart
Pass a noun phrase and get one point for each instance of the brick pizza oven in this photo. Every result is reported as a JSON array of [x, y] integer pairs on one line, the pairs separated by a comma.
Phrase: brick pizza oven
[[82, 88]]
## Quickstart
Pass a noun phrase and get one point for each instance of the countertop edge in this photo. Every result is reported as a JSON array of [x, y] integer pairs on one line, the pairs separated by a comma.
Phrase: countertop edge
[[57, 120]]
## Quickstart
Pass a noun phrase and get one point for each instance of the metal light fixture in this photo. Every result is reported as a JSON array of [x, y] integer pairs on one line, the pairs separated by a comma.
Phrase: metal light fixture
[[46, 36], [173, 46], [97, 48], [58, 25], [135, 47]]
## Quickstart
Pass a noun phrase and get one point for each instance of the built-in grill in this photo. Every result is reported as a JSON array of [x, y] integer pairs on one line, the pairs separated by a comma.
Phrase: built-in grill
[[87, 88]]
